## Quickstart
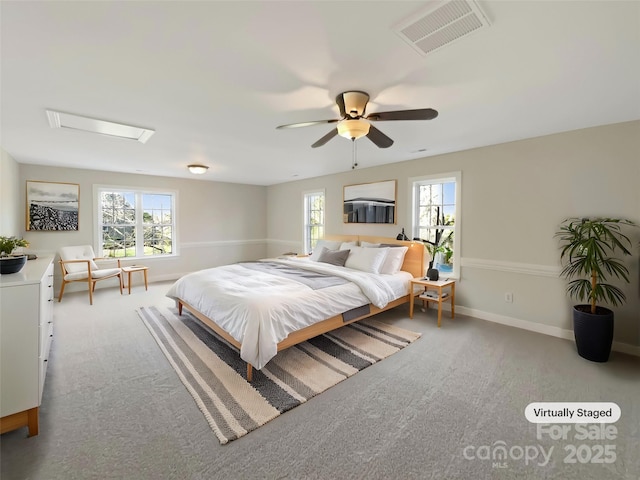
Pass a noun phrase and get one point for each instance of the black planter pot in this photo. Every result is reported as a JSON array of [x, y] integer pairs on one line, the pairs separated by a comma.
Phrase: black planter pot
[[12, 264], [433, 274], [593, 332]]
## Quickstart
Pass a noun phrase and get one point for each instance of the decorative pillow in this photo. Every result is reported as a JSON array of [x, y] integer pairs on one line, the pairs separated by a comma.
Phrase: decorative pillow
[[348, 245], [393, 260], [366, 259], [328, 244], [334, 257], [369, 244]]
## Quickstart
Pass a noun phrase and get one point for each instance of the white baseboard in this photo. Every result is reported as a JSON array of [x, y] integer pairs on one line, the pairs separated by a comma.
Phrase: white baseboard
[[539, 328], [167, 277]]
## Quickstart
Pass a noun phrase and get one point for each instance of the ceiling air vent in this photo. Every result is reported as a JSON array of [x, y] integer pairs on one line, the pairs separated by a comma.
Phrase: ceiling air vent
[[95, 125], [442, 23]]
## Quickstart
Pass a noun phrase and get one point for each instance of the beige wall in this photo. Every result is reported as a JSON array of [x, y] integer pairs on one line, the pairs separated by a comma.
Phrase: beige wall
[[10, 221], [514, 196], [218, 223]]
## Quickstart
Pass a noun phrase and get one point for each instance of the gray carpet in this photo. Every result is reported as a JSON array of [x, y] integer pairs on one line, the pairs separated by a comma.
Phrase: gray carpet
[[114, 408]]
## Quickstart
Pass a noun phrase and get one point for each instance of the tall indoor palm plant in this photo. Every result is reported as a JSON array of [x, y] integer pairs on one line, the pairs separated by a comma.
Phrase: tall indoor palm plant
[[591, 250]]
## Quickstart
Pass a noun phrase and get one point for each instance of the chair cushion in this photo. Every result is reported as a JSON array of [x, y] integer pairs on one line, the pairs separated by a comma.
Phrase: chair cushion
[[69, 277], [101, 273], [80, 252], [105, 272]]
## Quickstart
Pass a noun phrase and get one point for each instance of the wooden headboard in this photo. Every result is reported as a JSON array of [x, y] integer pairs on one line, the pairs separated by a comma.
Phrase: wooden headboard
[[413, 260]]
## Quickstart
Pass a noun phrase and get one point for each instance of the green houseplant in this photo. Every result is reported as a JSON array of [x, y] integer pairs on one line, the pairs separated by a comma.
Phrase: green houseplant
[[11, 264], [591, 254], [8, 244]]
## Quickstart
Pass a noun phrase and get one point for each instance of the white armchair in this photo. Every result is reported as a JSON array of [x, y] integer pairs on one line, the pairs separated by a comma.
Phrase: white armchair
[[78, 265]]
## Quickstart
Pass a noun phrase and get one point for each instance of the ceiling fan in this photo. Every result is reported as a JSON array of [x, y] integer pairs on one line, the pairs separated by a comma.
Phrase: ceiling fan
[[354, 124]]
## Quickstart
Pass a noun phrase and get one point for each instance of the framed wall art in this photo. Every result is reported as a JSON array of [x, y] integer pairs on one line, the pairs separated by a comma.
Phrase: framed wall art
[[52, 206], [370, 203]]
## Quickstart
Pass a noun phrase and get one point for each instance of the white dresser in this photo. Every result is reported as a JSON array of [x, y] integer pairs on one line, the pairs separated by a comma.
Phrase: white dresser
[[26, 331]]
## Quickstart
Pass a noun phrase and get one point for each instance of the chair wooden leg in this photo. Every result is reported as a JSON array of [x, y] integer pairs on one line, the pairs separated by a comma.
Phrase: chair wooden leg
[[61, 290], [92, 285], [120, 281]]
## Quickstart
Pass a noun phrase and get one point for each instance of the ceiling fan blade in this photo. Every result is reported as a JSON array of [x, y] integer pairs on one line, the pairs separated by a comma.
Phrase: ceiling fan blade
[[326, 138], [308, 124], [379, 138], [340, 103], [418, 114]]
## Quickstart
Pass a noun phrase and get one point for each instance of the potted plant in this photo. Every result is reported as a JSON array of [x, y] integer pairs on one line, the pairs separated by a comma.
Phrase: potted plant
[[591, 248], [9, 263], [440, 249]]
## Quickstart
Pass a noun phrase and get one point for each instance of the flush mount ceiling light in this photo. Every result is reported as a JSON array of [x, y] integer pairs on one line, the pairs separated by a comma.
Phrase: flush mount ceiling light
[[197, 169], [353, 129], [94, 125]]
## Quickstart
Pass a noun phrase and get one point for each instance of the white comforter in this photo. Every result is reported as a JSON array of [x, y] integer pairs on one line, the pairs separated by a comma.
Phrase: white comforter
[[260, 310]]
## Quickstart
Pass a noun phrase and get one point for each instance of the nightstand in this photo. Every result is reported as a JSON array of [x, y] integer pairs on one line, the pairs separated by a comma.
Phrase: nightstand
[[135, 268], [438, 296]]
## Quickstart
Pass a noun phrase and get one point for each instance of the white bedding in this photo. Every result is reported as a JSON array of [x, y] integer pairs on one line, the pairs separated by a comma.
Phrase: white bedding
[[260, 310]]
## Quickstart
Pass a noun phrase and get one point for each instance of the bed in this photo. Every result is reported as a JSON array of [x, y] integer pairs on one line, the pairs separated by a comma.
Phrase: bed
[[269, 305]]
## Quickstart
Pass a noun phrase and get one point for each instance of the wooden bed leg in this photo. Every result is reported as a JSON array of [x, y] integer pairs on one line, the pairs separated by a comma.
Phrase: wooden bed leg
[[179, 308], [249, 372]]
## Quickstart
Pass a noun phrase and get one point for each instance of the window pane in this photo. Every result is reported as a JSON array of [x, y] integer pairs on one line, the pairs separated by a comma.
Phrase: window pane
[[157, 240], [118, 241], [314, 219], [449, 214], [449, 190], [120, 222], [435, 211], [157, 208]]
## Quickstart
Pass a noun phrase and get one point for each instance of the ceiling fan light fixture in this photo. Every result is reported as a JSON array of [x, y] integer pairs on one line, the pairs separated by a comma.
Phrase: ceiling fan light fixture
[[197, 169], [353, 129]]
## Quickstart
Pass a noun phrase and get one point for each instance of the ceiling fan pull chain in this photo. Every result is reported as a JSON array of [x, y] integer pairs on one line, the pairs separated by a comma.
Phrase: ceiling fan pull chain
[[354, 161]]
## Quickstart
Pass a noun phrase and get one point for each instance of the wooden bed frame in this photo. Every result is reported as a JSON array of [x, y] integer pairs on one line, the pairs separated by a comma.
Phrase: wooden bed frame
[[413, 263]]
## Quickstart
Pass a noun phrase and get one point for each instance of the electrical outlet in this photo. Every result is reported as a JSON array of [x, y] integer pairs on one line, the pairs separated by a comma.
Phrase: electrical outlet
[[508, 297]]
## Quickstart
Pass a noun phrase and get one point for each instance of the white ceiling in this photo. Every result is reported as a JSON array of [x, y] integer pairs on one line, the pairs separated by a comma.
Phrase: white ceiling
[[215, 78]]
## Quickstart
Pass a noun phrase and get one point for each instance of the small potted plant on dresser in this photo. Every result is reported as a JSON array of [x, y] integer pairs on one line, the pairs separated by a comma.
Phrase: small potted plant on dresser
[[11, 263], [592, 249]]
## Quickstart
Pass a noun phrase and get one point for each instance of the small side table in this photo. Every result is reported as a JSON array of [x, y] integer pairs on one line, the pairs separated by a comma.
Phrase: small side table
[[136, 268], [440, 298]]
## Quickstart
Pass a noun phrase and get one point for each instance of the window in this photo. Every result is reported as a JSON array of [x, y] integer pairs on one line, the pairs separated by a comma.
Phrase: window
[[313, 219], [135, 223], [436, 218]]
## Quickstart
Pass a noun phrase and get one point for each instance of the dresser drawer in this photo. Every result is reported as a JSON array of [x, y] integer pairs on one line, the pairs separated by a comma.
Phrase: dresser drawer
[[46, 334]]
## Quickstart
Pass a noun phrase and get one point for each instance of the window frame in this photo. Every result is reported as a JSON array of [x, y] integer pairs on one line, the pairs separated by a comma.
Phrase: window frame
[[139, 226], [446, 177], [306, 240]]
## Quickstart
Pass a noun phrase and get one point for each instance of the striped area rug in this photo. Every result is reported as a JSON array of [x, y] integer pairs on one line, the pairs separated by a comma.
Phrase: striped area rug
[[214, 374]]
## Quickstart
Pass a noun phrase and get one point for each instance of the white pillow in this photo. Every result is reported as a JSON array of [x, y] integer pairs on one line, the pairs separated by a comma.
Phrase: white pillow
[[393, 260], [328, 244], [366, 259], [348, 245], [369, 244]]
